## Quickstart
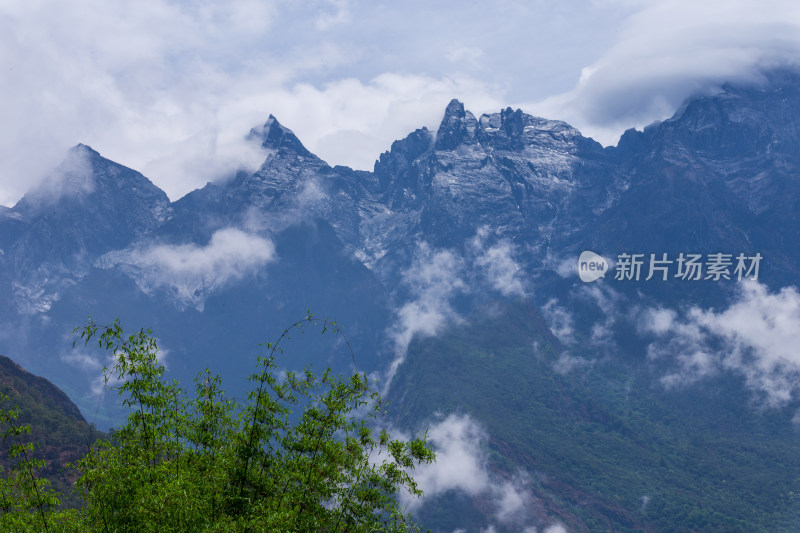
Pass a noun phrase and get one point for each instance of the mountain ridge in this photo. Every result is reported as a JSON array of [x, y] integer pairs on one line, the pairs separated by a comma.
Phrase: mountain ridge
[[57, 426], [416, 257]]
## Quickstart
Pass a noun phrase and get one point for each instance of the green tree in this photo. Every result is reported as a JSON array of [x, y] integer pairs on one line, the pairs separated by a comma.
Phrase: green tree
[[302, 454], [26, 499]]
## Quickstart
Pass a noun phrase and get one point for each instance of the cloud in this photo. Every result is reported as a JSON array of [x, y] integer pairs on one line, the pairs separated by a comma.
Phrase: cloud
[[349, 121], [498, 264], [659, 320], [560, 321], [94, 362], [83, 361], [462, 465], [307, 200], [192, 271], [335, 12], [460, 459], [565, 267], [144, 83], [757, 336], [73, 177], [433, 279], [667, 51], [171, 89], [609, 302], [567, 362], [310, 194]]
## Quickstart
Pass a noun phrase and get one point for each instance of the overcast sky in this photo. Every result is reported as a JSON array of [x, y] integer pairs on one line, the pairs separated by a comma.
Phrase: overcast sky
[[170, 88]]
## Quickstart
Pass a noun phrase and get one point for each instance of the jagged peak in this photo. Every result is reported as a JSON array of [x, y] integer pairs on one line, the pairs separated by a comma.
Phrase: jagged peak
[[457, 127], [512, 122], [82, 171], [275, 136], [405, 150], [83, 148], [454, 108]]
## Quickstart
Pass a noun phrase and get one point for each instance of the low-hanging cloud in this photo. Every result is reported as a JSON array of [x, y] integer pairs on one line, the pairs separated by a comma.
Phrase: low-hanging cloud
[[560, 321], [462, 465], [193, 271], [433, 279], [757, 336], [609, 302], [497, 261], [73, 177]]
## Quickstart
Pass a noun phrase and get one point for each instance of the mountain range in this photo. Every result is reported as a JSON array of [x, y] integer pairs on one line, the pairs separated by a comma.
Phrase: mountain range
[[620, 404]]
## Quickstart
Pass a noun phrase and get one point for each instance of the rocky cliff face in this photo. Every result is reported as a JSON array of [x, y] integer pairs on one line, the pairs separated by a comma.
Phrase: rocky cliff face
[[720, 174]]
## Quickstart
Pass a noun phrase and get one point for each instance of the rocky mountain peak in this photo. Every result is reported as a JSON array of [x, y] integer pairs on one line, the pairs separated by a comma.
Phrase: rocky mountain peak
[[84, 176], [512, 122], [87, 206], [457, 127], [275, 136], [740, 119]]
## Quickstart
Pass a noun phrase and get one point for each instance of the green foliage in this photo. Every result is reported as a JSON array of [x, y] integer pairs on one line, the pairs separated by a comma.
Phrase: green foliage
[[300, 455], [27, 500], [47, 418]]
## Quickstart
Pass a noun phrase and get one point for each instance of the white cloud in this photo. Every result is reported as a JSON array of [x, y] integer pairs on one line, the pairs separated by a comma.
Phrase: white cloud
[[83, 361], [567, 362], [195, 271], [669, 50], [609, 302], [659, 321], [460, 460], [170, 88], [565, 267], [559, 320], [462, 465], [229, 254], [757, 336], [73, 177], [334, 12], [310, 194], [352, 122], [142, 82], [433, 279], [497, 261]]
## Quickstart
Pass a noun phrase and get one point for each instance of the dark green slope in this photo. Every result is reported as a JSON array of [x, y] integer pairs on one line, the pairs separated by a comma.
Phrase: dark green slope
[[607, 448], [57, 426]]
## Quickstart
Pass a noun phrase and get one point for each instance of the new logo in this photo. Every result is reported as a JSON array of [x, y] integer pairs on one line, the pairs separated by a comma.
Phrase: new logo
[[591, 266]]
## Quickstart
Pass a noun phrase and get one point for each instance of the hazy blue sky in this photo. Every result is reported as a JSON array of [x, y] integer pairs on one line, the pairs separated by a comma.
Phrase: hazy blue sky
[[170, 88]]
